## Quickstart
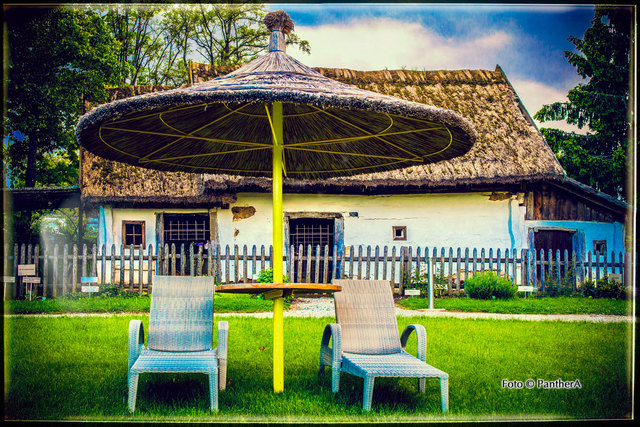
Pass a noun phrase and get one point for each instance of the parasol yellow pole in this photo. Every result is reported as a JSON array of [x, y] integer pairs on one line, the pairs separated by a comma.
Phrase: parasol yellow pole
[[278, 303]]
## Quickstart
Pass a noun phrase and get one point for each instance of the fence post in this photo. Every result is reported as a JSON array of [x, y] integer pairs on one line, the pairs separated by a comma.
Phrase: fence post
[[45, 271], [498, 261], [376, 263], [132, 253], [307, 278], [227, 257], [402, 266], [466, 264], [458, 271], [56, 271], [325, 270], [245, 267], [359, 262], [542, 276], [393, 267], [150, 268], [140, 267], [430, 278], [385, 261], [254, 261], [236, 264], [334, 265], [192, 270], [210, 260]]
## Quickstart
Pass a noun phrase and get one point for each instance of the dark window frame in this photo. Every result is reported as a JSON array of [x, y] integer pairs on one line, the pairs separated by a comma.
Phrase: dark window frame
[[142, 234], [597, 243], [403, 232]]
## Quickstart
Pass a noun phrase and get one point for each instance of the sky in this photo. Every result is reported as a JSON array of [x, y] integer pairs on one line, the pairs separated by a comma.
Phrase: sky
[[527, 41]]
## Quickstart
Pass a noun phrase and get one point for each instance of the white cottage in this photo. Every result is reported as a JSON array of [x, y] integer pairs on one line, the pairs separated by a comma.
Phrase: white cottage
[[507, 192]]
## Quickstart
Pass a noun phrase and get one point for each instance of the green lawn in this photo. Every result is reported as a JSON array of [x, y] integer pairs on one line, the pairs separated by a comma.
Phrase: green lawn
[[74, 368], [530, 305], [224, 303]]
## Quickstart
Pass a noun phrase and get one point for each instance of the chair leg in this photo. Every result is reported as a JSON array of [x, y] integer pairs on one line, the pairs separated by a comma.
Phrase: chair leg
[[335, 379], [367, 393], [222, 374], [213, 390], [444, 391], [133, 391]]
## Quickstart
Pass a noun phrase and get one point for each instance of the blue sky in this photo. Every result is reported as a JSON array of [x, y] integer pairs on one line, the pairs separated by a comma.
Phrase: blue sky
[[527, 41]]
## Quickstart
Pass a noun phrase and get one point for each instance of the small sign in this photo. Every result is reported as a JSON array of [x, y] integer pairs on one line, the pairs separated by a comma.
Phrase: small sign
[[26, 269], [616, 277], [8, 279], [90, 288], [30, 279], [412, 292], [89, 279]]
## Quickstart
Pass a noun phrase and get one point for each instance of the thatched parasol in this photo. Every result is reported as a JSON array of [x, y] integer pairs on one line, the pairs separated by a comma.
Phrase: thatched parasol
[[271, 117]]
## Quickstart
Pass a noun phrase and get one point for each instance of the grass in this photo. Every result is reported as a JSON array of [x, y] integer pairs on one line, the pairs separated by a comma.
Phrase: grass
[[530, 305], [224, 303], [72, 368]]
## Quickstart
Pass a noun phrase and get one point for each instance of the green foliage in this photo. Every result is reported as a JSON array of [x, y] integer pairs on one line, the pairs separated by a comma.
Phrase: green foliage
[[59, 58], [488, 285], [598, 158], [266, 276], [567, 284], [158, 41], [604, 288], [420, 280]]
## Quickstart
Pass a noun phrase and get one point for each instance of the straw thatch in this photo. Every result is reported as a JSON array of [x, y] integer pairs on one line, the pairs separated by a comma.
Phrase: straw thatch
[[508, 150], [224, 126]]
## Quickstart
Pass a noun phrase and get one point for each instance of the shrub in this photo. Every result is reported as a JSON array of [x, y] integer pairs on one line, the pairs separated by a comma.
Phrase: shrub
[[420, 280], [603, 288], [489, 285], [588, 289], [606, 288], [266, 276]]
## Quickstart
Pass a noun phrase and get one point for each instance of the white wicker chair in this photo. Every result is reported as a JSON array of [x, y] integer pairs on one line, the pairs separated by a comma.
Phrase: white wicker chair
[[180, 334], [366, 342]]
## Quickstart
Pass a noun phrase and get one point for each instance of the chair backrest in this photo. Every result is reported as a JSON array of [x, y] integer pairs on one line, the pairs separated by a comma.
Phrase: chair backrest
[[181, 313], [367, 317]]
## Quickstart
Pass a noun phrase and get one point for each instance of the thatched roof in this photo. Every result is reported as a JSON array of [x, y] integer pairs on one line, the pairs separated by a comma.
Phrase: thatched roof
[[509, 150]]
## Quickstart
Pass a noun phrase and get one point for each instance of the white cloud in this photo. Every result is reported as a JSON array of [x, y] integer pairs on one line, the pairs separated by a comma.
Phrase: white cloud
[[535, 94], [375, 44], [379, 43]]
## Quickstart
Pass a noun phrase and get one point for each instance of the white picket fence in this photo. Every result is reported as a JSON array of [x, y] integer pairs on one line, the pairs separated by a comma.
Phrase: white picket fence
[[61, 268]]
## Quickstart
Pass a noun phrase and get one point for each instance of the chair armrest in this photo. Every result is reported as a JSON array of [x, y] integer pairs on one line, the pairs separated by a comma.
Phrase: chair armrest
[[421, 336], [223, 339], [136, 340], [328, 354]]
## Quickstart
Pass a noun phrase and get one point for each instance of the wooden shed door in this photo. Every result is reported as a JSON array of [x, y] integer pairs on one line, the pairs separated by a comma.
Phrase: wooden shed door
[[554, 240]]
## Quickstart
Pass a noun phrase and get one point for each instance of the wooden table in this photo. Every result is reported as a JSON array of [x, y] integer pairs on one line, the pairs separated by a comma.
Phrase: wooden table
[[277, 291]]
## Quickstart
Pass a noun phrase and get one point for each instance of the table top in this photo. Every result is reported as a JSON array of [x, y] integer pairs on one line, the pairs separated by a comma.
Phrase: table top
[[259, 288]]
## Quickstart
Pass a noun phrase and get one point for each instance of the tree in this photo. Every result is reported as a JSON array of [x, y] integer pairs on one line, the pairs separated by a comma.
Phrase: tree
[[603, 56], [59, 58], [234, 34]]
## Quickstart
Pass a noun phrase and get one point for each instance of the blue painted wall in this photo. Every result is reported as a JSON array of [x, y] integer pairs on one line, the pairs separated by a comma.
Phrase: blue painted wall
[[587, 232]]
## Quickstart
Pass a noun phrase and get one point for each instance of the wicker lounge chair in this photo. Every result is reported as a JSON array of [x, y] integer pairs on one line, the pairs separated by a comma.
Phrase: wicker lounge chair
[[180, 333], [366, 342]]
